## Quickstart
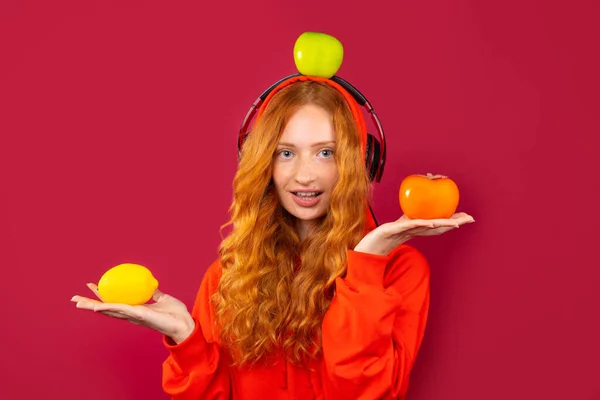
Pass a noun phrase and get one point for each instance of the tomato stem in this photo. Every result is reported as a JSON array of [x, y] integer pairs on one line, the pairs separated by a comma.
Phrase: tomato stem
[[431, 176]]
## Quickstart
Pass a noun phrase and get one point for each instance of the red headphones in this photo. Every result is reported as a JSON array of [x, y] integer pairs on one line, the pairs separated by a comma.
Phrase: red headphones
[[374, 149]]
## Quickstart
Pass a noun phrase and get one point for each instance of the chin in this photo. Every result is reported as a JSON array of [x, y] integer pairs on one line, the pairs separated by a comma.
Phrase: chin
[[305, 214]]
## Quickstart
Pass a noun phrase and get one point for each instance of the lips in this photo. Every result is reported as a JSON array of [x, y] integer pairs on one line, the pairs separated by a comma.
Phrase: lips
[[306, 199]]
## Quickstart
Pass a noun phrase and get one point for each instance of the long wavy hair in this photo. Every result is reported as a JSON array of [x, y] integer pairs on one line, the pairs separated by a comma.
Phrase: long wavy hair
[[275, 290]]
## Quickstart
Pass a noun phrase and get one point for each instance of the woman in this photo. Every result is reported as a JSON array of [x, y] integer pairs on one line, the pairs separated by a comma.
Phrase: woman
[[308, 298]]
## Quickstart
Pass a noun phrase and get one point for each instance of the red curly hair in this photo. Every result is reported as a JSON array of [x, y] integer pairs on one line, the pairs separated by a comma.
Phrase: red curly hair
[[264, 302]]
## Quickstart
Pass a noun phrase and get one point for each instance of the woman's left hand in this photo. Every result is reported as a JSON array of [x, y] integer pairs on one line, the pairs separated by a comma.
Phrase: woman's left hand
[[386, 237]]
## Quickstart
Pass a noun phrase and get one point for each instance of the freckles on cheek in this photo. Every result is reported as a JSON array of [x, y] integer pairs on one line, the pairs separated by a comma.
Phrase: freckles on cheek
[[279, 176], [334, 173]]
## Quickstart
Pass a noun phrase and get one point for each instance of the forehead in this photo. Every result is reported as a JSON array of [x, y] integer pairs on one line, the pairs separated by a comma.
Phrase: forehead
[[309, 124]]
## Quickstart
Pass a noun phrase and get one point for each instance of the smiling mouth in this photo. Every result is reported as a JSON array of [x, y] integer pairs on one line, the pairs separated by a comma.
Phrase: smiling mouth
[[307, 195]]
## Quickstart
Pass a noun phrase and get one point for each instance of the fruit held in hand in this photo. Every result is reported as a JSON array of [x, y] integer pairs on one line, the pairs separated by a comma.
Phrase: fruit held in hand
[[428, 196], [127, 283], [318, 54]]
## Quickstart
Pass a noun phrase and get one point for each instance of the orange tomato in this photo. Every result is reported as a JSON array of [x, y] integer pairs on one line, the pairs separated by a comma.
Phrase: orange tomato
[[428, 196]]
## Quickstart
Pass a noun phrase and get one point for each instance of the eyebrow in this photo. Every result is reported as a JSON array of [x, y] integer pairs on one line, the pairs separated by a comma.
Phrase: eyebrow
[[314, 144]]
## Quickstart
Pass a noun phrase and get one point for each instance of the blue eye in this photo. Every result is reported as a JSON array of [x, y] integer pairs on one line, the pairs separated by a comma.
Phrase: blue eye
[[285, 153], [327, 153]]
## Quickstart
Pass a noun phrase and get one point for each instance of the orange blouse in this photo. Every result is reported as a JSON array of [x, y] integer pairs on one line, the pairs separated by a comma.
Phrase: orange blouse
[[371, 335]]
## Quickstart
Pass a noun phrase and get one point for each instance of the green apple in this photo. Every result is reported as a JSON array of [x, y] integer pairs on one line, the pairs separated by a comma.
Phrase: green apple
[[318, 54]]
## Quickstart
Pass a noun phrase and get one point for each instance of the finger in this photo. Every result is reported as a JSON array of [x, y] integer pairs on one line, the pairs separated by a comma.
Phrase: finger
[[412, 223], [94, 288], [77, 298], [445, 222], [417, 226], [410, 228], [91, 304], [85, 303], [158, 295], [118, 315], [463, 218], [417, 231], [432, 232], [114, 314], [430, 223], [125, 309]]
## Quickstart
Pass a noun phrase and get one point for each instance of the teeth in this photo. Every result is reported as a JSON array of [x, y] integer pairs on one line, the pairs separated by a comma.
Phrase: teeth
[[306, 194]]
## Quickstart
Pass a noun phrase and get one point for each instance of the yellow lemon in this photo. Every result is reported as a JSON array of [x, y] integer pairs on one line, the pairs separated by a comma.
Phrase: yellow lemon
[[127, 283]]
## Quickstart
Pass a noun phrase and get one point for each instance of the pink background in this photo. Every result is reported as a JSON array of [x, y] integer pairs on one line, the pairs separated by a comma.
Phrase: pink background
[[118, 123]]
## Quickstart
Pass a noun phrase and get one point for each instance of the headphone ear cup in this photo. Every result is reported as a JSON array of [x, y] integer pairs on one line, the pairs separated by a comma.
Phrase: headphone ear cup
[[373, 156], [369, 155], [375, 172]]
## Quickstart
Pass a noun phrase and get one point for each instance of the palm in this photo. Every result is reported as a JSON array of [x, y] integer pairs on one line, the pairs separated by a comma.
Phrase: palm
[[440, 226], [388, 236], [166, 315]]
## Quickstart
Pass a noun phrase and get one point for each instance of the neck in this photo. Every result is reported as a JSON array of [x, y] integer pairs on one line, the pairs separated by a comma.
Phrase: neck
[[303, 228]]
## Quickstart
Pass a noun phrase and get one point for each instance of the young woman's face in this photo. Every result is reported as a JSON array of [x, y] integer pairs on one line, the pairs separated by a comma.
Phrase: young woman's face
[[304, 168]]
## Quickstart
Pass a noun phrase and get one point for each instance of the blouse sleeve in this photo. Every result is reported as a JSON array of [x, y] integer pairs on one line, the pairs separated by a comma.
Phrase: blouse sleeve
[[375, 325], [194, 369]]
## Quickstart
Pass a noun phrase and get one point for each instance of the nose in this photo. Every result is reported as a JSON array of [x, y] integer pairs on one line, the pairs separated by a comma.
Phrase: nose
[[305, 171]]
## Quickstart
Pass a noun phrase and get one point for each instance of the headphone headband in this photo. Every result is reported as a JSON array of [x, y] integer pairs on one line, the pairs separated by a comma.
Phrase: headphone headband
[[360, 99]]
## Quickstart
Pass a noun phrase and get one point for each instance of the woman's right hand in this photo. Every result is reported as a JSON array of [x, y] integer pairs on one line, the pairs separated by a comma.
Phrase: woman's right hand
[[166, 315]]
